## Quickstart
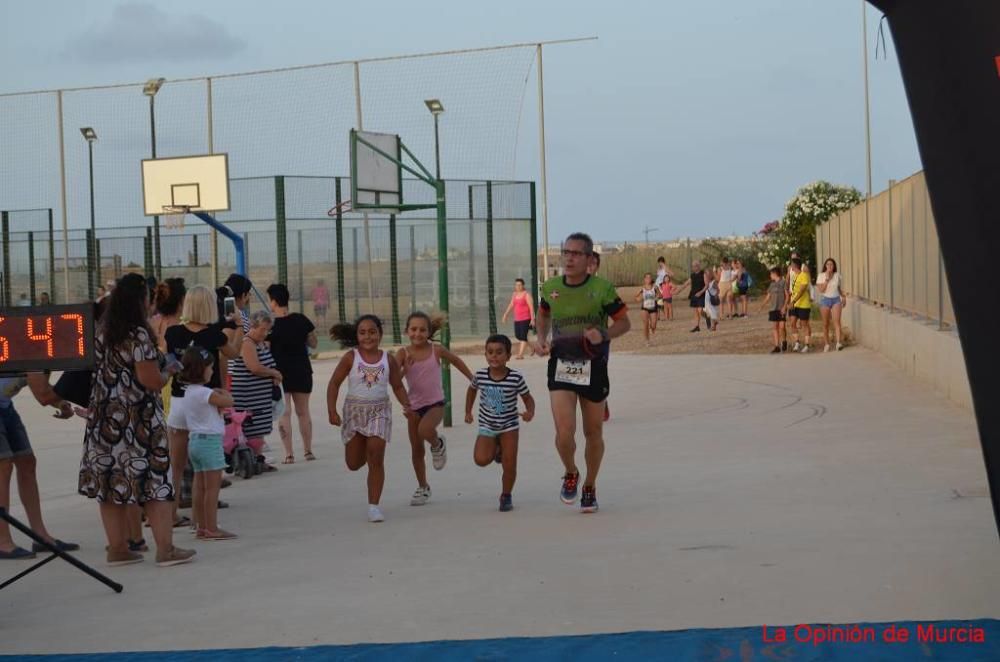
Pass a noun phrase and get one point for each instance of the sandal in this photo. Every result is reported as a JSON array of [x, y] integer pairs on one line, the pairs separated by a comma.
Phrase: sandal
[[183, 520], [309, 456], [289, 459]]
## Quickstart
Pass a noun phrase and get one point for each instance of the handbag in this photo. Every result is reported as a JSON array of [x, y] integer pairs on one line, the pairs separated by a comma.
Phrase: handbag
[[277, 401], [713, 299]]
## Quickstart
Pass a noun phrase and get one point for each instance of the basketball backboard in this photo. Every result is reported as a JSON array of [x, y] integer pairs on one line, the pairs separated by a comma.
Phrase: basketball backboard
[[376, 181], [198, 182]]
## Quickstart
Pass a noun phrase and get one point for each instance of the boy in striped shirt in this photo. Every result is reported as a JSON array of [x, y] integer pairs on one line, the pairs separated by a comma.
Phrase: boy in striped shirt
[[499, 420]]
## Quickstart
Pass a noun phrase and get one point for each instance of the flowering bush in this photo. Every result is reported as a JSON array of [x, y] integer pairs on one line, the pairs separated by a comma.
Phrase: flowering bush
[[796, 231]]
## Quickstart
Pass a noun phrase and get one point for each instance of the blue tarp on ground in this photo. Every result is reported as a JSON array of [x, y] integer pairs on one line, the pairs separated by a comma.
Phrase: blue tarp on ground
[[682, 645]]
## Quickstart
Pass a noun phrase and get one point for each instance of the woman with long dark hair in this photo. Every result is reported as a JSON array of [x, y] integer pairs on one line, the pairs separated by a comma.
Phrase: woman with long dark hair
[[126, 460], [831, 303]]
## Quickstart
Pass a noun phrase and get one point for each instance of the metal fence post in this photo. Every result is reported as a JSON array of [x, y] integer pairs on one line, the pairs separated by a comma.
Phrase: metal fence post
[[413, 269], [147, 254], [157, 254], [473, 307], [868, 259], [339, 230], [941, 286], [302, 276], [194, 254], [442, 265], [97, 262], [31, 267], [5, 231], [91, 266], [912, 308], [281, 228], [397, 337], [892, 270], [534, 246], [490, 275], [52, 259], [354, 260]]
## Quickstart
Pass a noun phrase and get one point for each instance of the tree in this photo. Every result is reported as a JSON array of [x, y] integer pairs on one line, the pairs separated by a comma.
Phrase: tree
[[796, 231]]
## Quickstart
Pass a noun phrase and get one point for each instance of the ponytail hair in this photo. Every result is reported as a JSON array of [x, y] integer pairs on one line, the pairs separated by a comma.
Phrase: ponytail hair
[[169, 295], [435, 321], [347, 333]]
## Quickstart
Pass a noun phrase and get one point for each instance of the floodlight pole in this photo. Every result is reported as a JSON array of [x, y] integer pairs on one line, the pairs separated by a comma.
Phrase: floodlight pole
[[541, 145], [437, 148], [442, 251], [156, 219], [92, 249]]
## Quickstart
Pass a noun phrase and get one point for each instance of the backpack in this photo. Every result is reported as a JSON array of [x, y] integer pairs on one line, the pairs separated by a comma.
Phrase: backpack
[[745, 282]]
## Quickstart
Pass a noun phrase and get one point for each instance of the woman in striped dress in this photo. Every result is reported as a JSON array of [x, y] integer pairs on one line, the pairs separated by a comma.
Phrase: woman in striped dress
[[254, 378]]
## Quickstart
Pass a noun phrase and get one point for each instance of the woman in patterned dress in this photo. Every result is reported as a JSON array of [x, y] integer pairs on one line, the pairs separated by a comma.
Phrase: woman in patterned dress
[[126, 460]]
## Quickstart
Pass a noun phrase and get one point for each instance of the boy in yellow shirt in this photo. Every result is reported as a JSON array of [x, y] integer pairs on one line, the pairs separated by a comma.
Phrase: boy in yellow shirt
[[800, 304]]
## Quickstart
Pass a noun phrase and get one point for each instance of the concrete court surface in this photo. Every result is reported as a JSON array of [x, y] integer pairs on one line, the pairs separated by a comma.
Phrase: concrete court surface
[[736, 491]]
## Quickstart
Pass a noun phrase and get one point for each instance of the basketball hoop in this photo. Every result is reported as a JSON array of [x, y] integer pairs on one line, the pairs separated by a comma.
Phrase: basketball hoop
[[173, 216], [343, 208]]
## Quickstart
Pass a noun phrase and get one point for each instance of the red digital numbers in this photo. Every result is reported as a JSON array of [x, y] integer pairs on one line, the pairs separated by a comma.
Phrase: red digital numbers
[[4, 347], [79, 331], [43, 338], [39, 337]]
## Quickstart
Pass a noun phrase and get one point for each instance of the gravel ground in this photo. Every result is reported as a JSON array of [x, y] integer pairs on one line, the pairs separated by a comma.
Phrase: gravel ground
[[746, 335]]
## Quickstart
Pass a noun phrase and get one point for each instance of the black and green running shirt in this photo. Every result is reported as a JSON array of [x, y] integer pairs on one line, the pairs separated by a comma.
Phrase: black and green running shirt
[[575, 308]]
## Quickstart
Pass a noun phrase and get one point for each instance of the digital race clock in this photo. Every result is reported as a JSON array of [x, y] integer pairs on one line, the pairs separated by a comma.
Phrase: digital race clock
[[47, 338]]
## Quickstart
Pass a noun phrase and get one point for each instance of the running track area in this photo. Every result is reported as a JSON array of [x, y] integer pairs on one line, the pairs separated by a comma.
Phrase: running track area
[[736, 491], [681, 646]]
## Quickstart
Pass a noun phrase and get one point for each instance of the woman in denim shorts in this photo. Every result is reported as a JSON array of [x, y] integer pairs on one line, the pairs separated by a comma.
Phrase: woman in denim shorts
[[831, 303]]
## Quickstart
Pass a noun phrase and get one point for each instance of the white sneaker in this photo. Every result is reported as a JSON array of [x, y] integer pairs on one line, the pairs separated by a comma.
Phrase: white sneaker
[[439, 454], [421, 496], [796, 347], [374, 514], [826, 348], [840, 346], [805, 349]]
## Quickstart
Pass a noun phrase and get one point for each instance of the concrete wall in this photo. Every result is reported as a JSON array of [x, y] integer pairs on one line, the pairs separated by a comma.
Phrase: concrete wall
[[915, 345]]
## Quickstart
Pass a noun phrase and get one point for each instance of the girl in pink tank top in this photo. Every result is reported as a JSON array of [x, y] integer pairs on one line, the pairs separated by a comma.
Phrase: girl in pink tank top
[[421, 368]]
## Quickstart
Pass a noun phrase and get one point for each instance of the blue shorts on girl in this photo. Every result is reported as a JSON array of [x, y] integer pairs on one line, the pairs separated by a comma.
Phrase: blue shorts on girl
[[828, 302], [498, 401], [205, 425]]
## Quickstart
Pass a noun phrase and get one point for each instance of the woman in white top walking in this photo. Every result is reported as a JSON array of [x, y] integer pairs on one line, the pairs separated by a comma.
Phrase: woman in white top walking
[[646, 297], [831, 303]]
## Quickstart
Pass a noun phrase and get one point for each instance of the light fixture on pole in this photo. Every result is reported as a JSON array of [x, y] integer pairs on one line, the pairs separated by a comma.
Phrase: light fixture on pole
[[434, 105], [94, 277], [150, 89]]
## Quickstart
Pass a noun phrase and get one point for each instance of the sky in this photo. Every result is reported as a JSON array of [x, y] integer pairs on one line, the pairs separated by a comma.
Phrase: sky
[[693, 118]]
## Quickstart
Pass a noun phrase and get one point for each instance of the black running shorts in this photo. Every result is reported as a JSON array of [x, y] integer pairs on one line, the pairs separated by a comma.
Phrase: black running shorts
[[596, 391]]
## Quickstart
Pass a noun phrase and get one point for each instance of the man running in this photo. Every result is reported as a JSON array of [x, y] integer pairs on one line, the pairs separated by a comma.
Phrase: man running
[[576, 307]]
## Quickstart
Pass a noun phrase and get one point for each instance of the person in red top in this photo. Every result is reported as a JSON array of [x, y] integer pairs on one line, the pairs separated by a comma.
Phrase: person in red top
[[321, 300], [524, 314]]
